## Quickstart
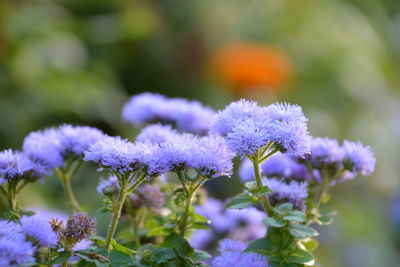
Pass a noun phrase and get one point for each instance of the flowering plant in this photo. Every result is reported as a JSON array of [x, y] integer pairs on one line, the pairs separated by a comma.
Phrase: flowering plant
[[160, 215]]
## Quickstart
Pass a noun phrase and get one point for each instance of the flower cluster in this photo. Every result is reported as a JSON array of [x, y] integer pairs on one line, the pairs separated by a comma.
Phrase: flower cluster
[[232, 254], [188, 116], [149, 196], [51, 146], [249, 127]]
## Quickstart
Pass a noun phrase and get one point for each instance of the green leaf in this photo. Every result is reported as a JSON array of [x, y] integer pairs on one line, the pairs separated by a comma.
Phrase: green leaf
[[92, 256], [260, 245], [300, 231], [200, 255], [240, 201], [121, 248], [274, 222], [325, 217], [264, 191], [250, 185], [119, 259], [295, 215], [301, 257], [285, 207], [62, 257]]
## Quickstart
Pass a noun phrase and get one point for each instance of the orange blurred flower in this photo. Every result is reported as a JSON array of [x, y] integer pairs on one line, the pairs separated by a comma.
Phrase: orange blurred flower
[[251, 67]]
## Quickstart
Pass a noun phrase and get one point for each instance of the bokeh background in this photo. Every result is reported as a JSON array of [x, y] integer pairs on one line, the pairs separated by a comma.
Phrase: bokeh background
[[78, 61]]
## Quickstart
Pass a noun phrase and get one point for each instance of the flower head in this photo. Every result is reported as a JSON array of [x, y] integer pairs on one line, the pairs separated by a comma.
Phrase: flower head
[[293, 192], [232, 254], [225, 120], [17, 165], [358, 159], [187, 116], [44, 147], [39, 229], [156, 133], [284, 166], [326, 151], [78, 139], [14, 249]]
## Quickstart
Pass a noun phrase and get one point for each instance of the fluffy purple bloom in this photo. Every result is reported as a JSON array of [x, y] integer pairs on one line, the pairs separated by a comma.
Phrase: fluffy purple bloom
[[44, 147], [246, 171], [225, 120], [326, 151], [357, 158], [287, 128], [156, 133], [120, 155], [39, 229], [15, 164], [14, 249], [111, 181], [232, 254], [78, 139], [212, 157], [144, 108], [16, 252], [201, 239], [293, 192], [247, 137], [189, 116]]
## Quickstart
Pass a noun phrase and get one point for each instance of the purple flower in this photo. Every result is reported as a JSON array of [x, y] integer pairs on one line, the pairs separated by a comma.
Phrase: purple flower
[[119, 154], [293, 192], [14, 249], [78, 139], [212, 157], [44, 147], [246, 171], [287, 128], [232, 254], [149, 196], [226, 120], [247, 137], [188, 116], [326, 151], [15, 165], [39, 229], [16, 252], [357, 158], [156, 133], [201, 239]]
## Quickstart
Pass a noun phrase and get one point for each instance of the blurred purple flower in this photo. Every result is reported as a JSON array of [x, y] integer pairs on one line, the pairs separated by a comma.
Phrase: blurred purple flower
[[156, 133], [326, 151], [293, 192], [357, 158], [38, 228]]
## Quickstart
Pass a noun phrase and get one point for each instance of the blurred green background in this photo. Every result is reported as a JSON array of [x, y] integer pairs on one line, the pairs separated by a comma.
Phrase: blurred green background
[[77, 61]]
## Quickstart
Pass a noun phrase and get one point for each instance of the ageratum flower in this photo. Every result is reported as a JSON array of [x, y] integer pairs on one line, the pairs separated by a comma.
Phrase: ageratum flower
[[358, 159], [38, 229], [225, 120], [188, 116], [78, 139], [14, 249], [232, 254], [293, 192], [212, 157], [325, 151], [156, 133], [287, 128], [15, 165], [44, 147]]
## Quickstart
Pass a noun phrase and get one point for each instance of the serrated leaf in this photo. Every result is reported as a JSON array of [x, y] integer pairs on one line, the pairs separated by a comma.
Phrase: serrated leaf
[[119, 259], [300, 231], [295, 215], [200, 255], [121, 248], [274, 222], [240, 201], [301, 257], [260, 245], [264, 191]]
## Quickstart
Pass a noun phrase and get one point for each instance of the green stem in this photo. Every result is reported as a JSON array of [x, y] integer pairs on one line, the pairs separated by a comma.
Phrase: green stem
[[66, 181], [118, 207], [257, 173], [65, 264], [184, 223]]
